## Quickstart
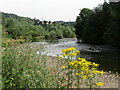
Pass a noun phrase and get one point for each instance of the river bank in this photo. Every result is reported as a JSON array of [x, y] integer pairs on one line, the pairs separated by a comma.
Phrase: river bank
[[27, 67], [110, 80]]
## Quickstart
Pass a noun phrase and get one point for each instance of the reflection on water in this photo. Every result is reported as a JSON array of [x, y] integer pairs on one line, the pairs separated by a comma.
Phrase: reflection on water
[[108, 57], [108, 60]]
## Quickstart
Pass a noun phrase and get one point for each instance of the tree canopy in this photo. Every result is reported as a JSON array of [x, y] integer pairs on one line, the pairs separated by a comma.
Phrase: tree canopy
[[100, 25], [17, 26]]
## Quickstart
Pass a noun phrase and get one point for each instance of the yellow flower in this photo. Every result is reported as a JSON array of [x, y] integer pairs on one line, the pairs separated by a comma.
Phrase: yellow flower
[[77, 74], [87, 71], [59, 56], [75, 65], [79, 63], [72, 48], [85, 65], [84, 77], [90, 75], [64, 54], [94, 71], [63, 50], [80, 58], [71, 63], [95, 65], [100, 72], [93, 68], [63, 67], [81, 72], [77, 52], [83, 60], [89, 63], [75, 61], [83, 68], [73, 54], [69, 49], [99, 84]]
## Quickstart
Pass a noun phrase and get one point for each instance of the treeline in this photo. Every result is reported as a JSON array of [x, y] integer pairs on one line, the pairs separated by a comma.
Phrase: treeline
[[34, 29], [100, 25]]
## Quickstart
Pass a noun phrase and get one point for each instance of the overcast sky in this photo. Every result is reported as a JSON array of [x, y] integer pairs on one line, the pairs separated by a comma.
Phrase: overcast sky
[[52, 10]]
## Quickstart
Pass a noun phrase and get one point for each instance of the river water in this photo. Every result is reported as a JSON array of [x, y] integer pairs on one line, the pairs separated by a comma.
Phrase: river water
[[108, 57]]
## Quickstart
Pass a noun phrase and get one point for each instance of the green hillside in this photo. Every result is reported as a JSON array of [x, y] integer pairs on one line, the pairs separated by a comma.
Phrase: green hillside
[[34, 29]]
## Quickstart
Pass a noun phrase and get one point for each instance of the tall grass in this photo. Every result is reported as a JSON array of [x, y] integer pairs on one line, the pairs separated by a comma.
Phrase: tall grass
[[23, 68]]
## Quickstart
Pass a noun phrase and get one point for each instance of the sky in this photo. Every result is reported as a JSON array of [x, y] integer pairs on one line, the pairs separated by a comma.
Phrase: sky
[[50, 10]]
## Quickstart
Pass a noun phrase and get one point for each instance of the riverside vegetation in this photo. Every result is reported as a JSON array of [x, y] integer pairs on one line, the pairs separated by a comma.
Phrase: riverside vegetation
[[23, 68]]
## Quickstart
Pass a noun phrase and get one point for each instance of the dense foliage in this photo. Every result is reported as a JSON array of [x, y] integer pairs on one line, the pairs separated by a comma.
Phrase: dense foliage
[[100, 25], [34, 29], [23, 68]]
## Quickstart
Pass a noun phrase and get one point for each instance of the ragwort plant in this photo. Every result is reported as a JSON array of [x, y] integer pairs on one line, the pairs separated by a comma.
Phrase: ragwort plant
[[78, 72]]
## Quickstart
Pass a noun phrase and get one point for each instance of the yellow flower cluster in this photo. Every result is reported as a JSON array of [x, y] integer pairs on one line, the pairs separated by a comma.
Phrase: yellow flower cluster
[[99, 84], [69, 52], [81, 67], [68, 49], [85, 66], [81, 64]]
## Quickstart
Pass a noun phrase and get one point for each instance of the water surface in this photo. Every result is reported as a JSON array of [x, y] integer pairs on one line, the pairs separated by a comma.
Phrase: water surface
[[108, 57]]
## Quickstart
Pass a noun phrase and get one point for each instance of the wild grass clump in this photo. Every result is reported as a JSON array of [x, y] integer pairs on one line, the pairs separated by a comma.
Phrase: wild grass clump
[[23, 68]]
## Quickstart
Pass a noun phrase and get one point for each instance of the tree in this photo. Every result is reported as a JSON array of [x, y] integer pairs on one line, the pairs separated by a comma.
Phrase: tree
[[101, 25], [81, 22]]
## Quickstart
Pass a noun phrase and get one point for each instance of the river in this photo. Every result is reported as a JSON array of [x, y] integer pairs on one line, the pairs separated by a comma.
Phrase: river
[[108, 57]]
